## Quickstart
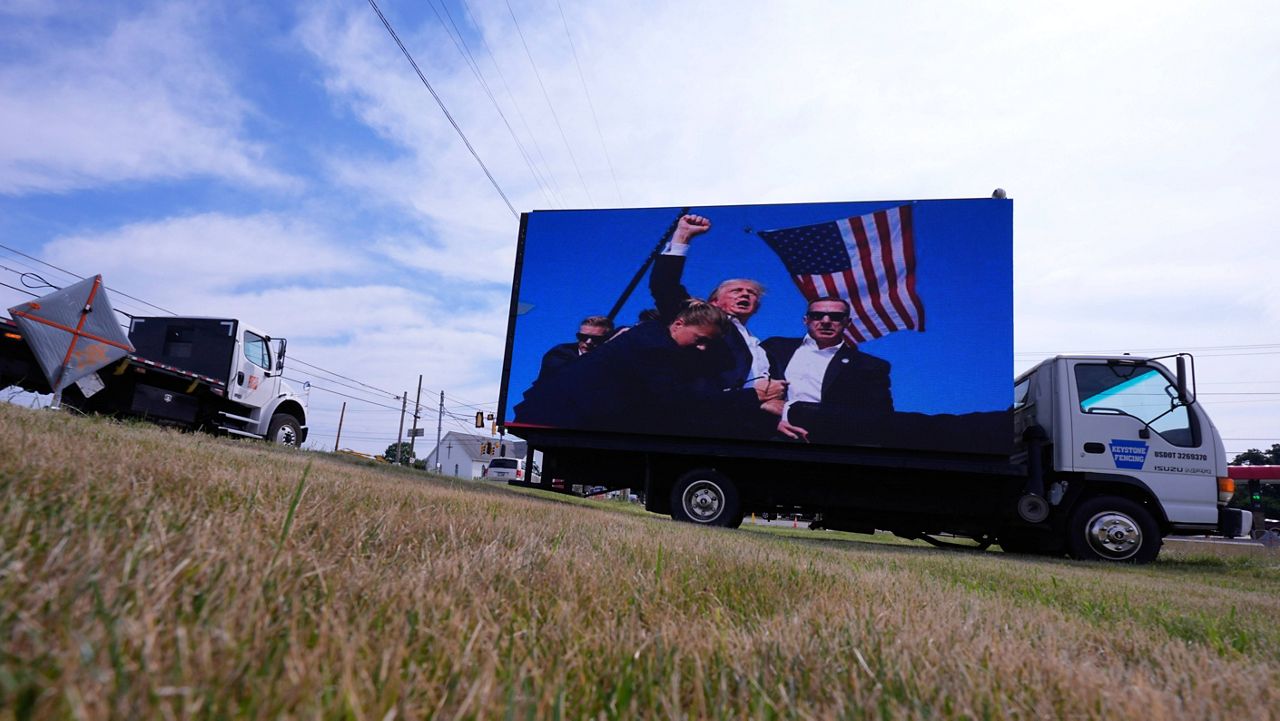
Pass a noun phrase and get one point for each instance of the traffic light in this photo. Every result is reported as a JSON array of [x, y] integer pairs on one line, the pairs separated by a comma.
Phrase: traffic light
[[479, 419]]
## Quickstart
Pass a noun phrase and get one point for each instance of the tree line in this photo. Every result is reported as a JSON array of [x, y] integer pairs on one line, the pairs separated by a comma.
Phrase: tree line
[[1270, 491]]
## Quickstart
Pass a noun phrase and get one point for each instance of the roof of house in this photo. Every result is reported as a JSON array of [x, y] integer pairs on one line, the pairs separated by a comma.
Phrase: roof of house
[[473, 446]]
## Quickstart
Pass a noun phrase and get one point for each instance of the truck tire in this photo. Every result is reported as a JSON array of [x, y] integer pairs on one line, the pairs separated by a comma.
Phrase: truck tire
[[705, 497], [285, 430], [1111, 528]]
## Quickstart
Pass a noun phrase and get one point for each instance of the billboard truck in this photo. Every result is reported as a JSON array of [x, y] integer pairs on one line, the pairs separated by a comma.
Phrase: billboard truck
[[851, 362]]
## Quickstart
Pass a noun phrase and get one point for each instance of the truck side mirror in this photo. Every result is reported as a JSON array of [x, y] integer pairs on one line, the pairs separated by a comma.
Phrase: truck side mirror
[[1183, 398], [284, 343]]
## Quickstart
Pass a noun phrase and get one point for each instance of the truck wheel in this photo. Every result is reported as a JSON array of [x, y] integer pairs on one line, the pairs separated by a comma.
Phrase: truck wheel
[[705, 497], [284, 429], [1110, 528]]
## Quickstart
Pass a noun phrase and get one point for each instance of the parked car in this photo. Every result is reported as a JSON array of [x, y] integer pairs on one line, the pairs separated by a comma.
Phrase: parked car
[[511, 470]]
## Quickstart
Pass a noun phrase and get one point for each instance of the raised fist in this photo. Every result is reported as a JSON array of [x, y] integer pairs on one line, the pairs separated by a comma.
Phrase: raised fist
[[689, 226]]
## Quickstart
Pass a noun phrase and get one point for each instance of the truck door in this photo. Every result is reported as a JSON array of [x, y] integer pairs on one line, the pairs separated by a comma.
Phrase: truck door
[[251, 385], [1126, 421]]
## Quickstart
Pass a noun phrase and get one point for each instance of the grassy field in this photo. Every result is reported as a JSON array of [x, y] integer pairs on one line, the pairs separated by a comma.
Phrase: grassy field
[[149, 573]]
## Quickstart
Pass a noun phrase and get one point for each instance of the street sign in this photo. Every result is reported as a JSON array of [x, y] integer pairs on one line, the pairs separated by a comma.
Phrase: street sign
[[417, 432]]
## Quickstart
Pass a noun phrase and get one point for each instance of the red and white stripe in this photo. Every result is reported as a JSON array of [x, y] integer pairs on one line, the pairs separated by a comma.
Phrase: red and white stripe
[[881, 287]]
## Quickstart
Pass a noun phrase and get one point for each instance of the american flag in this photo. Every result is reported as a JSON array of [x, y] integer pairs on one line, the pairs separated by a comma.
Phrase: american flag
[[869, 260]]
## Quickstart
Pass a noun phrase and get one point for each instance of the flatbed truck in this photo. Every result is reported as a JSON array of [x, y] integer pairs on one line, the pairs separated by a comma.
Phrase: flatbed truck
[[213, 374]]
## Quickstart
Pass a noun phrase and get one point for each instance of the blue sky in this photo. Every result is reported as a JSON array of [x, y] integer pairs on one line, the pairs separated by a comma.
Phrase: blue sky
[[281, 163]]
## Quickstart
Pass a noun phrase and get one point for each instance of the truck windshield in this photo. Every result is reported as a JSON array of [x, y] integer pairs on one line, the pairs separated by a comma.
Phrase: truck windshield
[[1144, 393]]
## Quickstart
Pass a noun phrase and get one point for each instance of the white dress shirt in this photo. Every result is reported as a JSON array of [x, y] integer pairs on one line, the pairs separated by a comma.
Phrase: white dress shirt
[[759, 359], [805, 372]]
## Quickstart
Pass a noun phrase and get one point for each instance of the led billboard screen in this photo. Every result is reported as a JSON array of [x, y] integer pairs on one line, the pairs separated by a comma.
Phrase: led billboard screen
[[864, 324]]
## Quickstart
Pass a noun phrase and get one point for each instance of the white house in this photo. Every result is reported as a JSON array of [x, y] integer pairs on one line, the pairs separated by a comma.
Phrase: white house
[[463, 455]]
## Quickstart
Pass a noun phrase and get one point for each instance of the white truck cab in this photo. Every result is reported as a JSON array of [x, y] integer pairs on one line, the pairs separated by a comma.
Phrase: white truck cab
[[276, 411], [1130, 433]]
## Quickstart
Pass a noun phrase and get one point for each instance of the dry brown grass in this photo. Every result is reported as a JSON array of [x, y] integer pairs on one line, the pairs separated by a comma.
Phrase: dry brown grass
[[147, 573]]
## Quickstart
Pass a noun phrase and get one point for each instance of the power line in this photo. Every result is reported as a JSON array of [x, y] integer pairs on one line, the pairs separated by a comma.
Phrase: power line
[[46, 284], [20, 290], [466, 404], [595, 118], [353, 380], [555, 185], [18, 261], [550, 106], [460, 42], [81, 277], [1147, 351], [443, 109], [1237, 355], [313, 432], [459, 424], [315, 387], [1254, 400], [348, 386]]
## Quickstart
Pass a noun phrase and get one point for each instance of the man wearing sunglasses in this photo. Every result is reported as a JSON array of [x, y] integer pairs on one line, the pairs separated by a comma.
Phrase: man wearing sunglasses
[[833, 389], [647, 380], [592, 333]]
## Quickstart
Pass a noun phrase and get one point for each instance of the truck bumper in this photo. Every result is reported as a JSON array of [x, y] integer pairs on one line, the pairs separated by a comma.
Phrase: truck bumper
[[1234, 522]]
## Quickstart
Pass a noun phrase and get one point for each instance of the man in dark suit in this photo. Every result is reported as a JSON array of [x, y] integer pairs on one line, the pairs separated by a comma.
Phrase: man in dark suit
[[737, 359], [647, 380], [592, 332], [835, 392]]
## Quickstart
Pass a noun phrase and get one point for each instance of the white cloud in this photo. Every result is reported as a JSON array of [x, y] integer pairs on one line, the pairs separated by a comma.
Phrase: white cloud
[[184, 263], [146, 101]]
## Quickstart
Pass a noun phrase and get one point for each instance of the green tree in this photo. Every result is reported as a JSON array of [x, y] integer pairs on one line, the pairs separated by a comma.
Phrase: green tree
[[1270, 492], [399, 453], [1255, 457]]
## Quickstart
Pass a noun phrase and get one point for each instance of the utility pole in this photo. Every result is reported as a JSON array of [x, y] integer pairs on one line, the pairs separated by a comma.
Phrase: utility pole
[[417, 406], [404, 403], [341, 415], [439, 425]]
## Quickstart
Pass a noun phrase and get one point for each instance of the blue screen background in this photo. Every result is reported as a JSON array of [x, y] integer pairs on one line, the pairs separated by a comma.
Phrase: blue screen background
[[576, 263]]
